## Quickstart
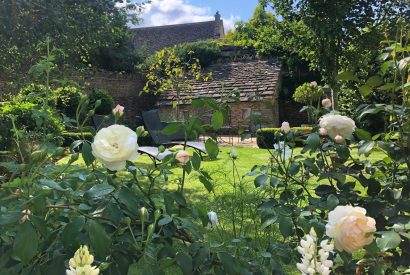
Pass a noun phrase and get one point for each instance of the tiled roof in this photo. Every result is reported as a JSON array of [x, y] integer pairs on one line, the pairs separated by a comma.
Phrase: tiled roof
[[157, 38], [256, 80]]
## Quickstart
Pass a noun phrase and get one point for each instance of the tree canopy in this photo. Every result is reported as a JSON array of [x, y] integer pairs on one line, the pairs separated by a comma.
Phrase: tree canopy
[[86, 33]]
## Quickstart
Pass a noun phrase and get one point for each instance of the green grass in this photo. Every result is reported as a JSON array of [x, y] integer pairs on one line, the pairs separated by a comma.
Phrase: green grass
[[224, 202]]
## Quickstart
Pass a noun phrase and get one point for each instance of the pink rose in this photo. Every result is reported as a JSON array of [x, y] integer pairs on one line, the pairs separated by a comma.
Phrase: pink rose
[[313, 84], [285, 127], [339, 139], [322, 132], [118, 110], [349, 227], [182, 157], [326, 103]]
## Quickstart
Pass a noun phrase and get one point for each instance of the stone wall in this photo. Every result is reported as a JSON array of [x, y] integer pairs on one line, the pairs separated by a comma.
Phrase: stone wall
[[239, 118], [124, 89]]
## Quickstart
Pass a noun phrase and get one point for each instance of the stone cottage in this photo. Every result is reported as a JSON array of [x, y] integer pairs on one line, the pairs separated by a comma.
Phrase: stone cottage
[[154, 39], [258, 82]]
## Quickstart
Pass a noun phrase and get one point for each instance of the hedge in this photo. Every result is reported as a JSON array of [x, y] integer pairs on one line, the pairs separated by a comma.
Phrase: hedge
[[266, 137]]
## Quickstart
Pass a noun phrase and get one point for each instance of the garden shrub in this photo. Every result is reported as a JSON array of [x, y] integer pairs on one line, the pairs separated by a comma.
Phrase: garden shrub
[[307, 94], [70, 137], [107, 102], [267, 137], [36, 93], [68, 99], [205, 51], [29, 117]]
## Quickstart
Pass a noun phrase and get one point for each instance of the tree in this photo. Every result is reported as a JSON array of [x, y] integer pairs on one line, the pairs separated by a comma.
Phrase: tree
[[87, 33], [334, 27], [168, 71]]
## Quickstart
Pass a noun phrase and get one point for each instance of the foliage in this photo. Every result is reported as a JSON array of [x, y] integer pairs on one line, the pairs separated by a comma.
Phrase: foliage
[[308, 94], [170, 72], [85, 34], [268, 36], [267, 137], [205, 52], [329, 35], [107, 102], [35, 93], [68, 98], [31, 119]]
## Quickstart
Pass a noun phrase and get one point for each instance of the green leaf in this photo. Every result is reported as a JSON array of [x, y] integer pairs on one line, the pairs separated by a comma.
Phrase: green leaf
[[196, 161], [388, 240], [185, 262], [286, 227], [374, 81], [100, 240], [9, 218], [211, 148], [347, 76], [365, 90], [217, 120], [164, 221], [87, 153], [207, 183], [363, 134], [260, 180], [313, 141], [176, 196], [98, 191], [229, 263], [26, 242], [332, 201], [172, 128], [366, 147], [52, 184], [71, 231]]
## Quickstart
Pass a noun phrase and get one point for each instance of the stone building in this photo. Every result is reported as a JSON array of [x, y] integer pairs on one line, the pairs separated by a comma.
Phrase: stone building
[[156, 38], [258, 82]]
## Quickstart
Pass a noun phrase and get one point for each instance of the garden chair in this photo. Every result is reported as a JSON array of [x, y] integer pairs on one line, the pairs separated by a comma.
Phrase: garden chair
[[154, 126], [153, 153]]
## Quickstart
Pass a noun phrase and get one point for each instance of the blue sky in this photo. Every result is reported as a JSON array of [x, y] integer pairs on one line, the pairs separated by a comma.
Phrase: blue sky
[[165, 12]]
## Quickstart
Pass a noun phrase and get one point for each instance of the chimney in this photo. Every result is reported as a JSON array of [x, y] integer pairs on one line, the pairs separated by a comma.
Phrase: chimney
[[219, 26], [217, 16]]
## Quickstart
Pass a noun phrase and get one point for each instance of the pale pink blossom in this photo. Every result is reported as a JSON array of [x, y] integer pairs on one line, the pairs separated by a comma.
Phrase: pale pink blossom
[[326, 103], [118, 110], [313, 84], [26, 213], [182, 157], [285, 127], [322, 131], [339, 139]]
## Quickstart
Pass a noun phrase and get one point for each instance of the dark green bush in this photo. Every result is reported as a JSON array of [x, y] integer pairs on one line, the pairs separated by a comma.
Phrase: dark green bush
[[205, 51], [36, 93], [29, 117], [266, 137], [107, 102], [70, 137], [68, 99]]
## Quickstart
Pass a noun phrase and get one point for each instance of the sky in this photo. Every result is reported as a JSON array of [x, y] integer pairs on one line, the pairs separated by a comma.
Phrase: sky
[[166, 12]]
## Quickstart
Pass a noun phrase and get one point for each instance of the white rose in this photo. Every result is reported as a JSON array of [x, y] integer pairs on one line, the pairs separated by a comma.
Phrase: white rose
[[114, 145], [349, 227], [337, 125], [213, 219]]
